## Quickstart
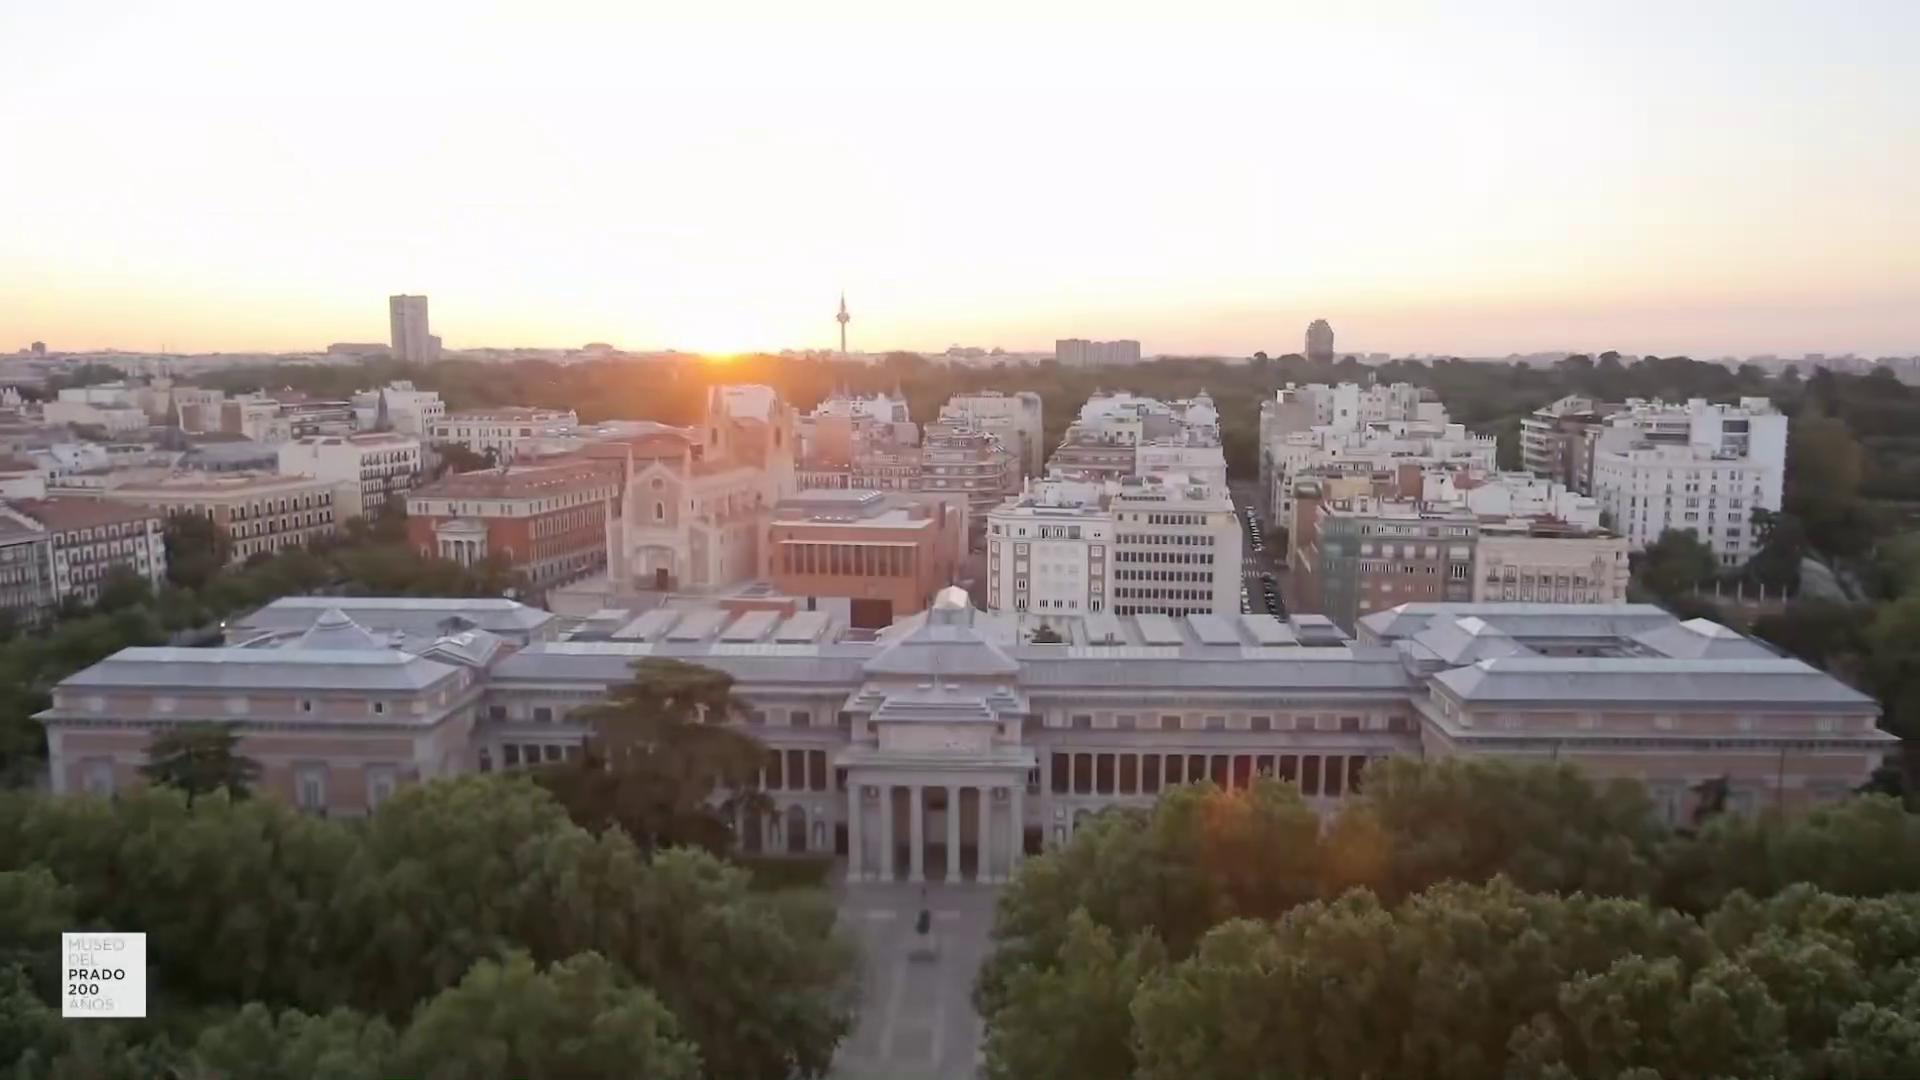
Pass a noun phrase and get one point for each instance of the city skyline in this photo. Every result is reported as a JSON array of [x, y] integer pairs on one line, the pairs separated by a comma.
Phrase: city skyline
[[1496, 182]]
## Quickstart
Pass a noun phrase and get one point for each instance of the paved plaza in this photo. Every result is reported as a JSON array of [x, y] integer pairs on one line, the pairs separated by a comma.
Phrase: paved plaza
[[916, 1015]]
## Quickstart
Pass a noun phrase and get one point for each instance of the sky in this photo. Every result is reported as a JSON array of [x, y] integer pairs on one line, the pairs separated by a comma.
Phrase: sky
[[1473, 178]]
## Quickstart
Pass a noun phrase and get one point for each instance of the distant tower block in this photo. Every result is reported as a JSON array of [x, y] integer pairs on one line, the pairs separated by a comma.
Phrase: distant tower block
[[1319, 340], [843, 318]]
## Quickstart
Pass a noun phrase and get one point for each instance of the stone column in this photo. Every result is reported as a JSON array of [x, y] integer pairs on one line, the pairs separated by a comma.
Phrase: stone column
[[886, 832], [856, 802], [917, 831], [985, 843], [1018, 830], [953, 834]]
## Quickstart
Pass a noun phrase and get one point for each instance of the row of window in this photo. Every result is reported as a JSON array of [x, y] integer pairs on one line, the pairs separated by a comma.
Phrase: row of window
[[1166, 539], [1133, 773], [1189, 558], [861, 560], [1162, 575], [1231, 722], [1129, 593]]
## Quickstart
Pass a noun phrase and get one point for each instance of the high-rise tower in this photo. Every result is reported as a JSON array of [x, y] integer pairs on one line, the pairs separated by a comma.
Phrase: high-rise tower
[[1319, 340], [843, 318], [408, 318]]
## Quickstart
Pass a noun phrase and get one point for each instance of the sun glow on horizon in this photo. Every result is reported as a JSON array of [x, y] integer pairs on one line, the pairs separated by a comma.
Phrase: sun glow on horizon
[[1492, 178]]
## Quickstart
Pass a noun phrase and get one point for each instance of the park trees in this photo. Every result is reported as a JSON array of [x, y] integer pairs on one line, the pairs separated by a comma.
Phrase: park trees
[[1464, 919], [356, 925]]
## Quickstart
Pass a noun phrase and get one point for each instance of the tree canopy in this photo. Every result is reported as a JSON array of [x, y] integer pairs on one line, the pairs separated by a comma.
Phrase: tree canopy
[[466, 925], [1458, 919]]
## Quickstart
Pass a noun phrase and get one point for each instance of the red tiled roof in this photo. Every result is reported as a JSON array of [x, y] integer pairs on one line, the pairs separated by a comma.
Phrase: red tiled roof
[[59, 514]]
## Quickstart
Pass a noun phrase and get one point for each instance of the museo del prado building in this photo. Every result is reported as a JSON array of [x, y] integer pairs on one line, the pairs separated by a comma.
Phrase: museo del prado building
[[947, 746]]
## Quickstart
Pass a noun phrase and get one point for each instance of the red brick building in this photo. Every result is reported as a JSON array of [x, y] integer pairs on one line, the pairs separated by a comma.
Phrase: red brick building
[[869, 556], [549, 521]]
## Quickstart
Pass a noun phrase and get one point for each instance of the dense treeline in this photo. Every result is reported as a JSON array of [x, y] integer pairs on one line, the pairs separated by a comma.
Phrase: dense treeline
[[465, 929], [1460, 920]]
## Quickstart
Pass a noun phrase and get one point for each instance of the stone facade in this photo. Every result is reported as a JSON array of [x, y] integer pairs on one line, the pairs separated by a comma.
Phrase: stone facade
[[947, 746]]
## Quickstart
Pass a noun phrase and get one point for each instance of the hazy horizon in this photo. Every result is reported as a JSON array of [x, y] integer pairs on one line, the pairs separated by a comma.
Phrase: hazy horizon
[[1718, 179]]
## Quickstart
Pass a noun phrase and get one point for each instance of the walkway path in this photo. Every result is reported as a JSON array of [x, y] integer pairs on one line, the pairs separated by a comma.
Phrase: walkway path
[[916, 1015]]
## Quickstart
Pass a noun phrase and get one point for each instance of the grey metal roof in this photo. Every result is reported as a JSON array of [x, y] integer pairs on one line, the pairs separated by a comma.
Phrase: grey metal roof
[[1698, 638], [609, 662], [1571, 682], [1522, 620], [413, 614], [169, 667], [1464, 640], [1301, 669]]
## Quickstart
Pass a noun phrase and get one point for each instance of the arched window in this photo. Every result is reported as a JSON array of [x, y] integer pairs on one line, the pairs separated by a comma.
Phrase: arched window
[[659, 511]]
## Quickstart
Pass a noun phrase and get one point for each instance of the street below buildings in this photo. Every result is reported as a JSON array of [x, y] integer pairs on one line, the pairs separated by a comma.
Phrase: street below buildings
[[1260, 568]]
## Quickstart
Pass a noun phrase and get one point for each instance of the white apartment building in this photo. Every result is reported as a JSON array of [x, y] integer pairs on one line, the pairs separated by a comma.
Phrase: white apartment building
[[1341, 407], [370, 469], [1120, 434], [1152, 545], [1512, 495], [1014, 419], [501, 432], [1377, 447], [1697, 467], [1048, 550], [1177, 548], [1079, 352], [399, 407]]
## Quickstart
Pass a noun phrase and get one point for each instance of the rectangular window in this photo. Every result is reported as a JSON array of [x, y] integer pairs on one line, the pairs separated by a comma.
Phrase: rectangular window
[[776, 770], [1220, 774], [817, 770], [510, 754], [1310, 774], [1196, 768], [310, 788], [1290, 768], [1129, 774], [799, 718], [1263, 765], [1083, 774], [1176, 770], [1103, 774], [796, 770], [1150, 774], [543, 714], [1062, 774]]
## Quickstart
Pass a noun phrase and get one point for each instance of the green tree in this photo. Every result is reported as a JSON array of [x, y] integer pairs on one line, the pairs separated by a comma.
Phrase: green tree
[[663, 762], [257, 1044], [574, 1021], [197, 550], [123, 588], [1675, 564], [1546, 827], [200, 758], [1893, 664], [1200, 856], [1072, 1018]]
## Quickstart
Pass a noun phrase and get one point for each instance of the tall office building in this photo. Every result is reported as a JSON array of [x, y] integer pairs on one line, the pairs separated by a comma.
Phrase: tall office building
[[1319, 340], [1079, 352], [411, 342]]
